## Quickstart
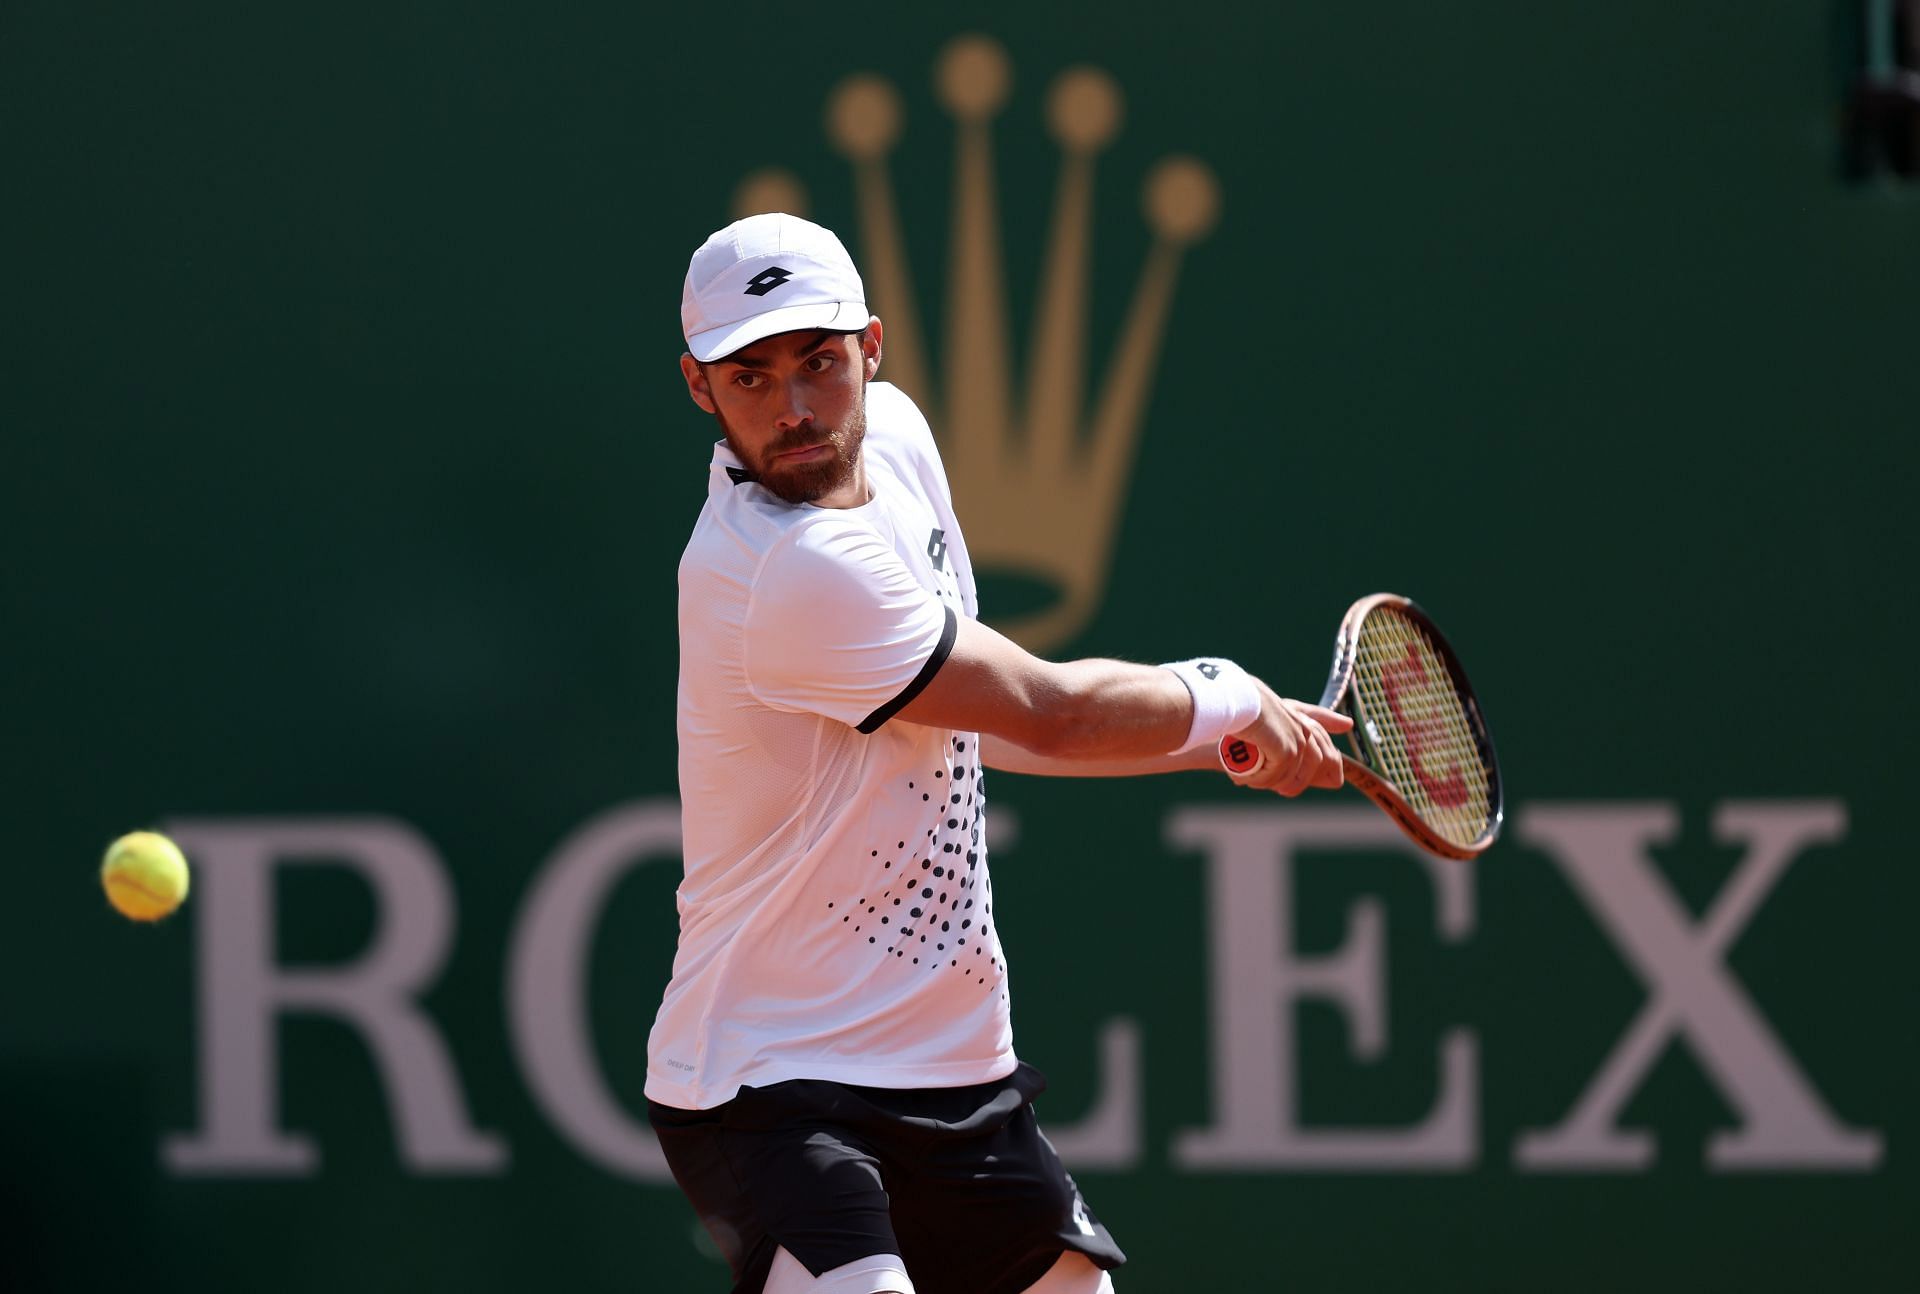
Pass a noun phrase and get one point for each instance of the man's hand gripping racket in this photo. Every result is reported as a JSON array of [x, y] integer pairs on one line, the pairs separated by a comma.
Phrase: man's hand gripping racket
[[1417, 742]]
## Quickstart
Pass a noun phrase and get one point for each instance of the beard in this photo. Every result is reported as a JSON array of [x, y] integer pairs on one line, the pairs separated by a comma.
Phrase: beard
[[804, 482]]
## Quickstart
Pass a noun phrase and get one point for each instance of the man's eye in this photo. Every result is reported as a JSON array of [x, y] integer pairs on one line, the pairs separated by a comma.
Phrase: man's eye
[[819, 363], [747, 380]]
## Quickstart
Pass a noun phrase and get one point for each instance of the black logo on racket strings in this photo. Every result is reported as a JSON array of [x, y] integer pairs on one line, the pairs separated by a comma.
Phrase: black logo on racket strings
[[767, 280], [937, 549]]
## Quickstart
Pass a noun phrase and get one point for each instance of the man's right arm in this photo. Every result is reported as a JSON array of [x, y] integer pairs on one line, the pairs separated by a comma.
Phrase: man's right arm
[[1107, 714]]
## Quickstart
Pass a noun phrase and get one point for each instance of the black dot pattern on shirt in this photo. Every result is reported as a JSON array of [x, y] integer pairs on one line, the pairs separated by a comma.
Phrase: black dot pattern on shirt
[[957, 831]]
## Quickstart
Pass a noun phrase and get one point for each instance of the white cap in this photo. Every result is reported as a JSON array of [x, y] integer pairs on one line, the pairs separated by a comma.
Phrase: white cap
[[764, 275]]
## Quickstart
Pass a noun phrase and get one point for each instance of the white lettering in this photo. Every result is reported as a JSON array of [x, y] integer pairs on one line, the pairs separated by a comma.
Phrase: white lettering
[[1257, 978], [242, 992], [547, 984], [1691, 993], [1109, 1136]]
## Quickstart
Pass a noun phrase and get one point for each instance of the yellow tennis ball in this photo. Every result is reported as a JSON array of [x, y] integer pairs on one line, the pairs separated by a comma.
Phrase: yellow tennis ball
[[145, 875]]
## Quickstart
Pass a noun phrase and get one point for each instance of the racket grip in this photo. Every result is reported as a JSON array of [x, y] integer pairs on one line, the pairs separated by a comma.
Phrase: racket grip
[[1241, 758]]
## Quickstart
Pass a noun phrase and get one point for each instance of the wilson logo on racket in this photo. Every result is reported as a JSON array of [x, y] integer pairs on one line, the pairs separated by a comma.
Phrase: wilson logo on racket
[[1416, 713]]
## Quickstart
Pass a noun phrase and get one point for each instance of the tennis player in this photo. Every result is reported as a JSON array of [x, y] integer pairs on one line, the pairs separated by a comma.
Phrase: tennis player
[[832, 1073]]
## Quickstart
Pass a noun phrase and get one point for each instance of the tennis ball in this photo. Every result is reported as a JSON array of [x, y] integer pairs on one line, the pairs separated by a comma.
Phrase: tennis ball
[[145, 875]]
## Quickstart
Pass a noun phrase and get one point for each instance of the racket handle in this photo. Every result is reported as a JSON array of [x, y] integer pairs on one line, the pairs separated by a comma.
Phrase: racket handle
[[1241, 758]]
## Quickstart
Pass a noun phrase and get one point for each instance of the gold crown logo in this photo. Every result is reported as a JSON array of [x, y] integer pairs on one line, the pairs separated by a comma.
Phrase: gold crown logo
[[1038, 483]]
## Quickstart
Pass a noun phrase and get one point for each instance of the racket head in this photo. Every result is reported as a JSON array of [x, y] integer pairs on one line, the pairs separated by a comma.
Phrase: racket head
[[1420, 746]]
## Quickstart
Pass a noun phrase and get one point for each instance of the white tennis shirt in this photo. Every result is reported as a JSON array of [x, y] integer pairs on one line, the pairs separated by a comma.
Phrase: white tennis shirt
[[836, 921]]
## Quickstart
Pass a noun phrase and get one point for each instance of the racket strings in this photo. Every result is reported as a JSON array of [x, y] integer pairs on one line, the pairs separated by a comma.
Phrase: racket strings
[[1423, 739]]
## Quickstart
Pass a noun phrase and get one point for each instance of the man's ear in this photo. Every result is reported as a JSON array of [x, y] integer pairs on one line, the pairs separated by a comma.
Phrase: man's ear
[[697, 388], [870, 346]]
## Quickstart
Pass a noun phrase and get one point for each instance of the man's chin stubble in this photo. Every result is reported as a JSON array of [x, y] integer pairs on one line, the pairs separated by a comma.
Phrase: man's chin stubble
[[809, 483]]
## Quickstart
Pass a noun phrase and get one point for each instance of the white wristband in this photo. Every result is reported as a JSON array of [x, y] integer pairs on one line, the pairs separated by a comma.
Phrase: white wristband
[[1225, 699]]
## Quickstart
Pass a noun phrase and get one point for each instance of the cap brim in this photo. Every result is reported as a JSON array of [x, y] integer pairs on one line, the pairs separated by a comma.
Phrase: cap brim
[[835, 316]]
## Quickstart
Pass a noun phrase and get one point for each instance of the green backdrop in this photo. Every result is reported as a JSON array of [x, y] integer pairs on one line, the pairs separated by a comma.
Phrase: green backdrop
[[344, 466]]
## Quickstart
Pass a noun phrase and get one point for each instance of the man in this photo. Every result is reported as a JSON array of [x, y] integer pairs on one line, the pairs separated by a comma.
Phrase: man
[[832, 1073]]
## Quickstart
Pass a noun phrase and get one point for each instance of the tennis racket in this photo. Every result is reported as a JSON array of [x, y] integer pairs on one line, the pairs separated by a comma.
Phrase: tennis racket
[[1420, 748]]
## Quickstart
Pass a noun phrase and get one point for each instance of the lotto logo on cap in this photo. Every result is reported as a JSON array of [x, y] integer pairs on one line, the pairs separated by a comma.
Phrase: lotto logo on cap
[[764, 275]]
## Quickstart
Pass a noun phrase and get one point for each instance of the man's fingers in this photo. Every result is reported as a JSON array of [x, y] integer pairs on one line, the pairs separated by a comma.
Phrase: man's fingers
[[1330, 773], [1313, 764], [1329, 720], [1298, 780], [1278, 766], [1297, 746], [1309, 759]]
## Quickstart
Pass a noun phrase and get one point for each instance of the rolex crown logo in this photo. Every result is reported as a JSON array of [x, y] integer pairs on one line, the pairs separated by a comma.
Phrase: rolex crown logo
[[1038, 476]]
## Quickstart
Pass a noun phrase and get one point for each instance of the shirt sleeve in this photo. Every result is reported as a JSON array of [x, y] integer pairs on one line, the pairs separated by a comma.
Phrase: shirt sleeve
[[838, 626]]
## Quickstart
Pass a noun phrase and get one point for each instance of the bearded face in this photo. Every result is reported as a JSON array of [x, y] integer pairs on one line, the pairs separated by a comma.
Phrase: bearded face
[[805, 463], [793, 408]]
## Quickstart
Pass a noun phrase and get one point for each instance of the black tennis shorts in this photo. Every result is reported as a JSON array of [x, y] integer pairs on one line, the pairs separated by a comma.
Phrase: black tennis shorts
[[958, 1181]]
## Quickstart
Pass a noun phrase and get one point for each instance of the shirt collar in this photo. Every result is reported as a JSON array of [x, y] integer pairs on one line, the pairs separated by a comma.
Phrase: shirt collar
[[725, 460]]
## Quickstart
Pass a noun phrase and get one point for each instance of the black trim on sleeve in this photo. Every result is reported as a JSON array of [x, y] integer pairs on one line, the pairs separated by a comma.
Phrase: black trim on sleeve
[[940, 653]]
